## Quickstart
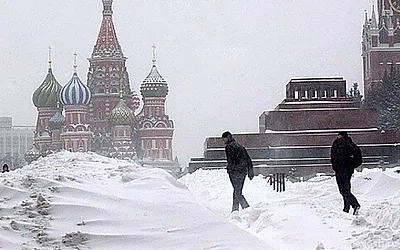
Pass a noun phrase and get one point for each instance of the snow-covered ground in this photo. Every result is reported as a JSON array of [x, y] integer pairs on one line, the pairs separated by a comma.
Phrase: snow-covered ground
[[309, 214], [85, 201]]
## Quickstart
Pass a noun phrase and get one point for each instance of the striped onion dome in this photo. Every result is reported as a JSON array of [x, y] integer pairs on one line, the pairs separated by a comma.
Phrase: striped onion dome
[[154, 84], [32, 155], [57, 120], [121, 114], [47, 93], [75, 92], [135, 100]]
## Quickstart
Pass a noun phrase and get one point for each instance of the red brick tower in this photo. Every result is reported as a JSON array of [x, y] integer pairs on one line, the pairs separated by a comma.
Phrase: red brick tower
[[107, 73], [380, 42], [155, 129]]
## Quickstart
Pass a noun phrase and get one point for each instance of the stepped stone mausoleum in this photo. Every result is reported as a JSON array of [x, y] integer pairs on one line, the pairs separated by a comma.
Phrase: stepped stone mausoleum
[[105, 115], [296, 136]]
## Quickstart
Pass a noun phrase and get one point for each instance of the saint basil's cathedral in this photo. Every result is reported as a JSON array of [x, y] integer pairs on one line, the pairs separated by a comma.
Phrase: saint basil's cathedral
[[104, 116]]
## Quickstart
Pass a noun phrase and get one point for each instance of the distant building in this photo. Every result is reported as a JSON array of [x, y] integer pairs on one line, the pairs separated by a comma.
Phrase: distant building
[[14, 142], [380, 42], [103, 116]]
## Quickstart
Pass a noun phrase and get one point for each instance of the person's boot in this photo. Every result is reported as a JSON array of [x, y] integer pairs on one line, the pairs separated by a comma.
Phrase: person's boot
[[235, 206], [356, 210], [244, 204], [346, 209]]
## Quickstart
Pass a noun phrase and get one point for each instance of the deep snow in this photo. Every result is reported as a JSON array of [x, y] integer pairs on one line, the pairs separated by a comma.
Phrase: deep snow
[[86, 201]]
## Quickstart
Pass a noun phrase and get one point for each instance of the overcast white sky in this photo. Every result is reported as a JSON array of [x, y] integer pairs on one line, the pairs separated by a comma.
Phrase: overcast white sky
[[225, 61]]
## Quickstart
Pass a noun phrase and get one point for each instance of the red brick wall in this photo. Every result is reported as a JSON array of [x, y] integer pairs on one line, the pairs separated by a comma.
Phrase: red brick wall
[[319, 119], [381, 62], [305, 139]]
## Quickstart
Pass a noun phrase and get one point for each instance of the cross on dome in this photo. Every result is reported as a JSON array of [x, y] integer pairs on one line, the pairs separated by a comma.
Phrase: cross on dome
[[50, 57], [154, 55], [75, 63]]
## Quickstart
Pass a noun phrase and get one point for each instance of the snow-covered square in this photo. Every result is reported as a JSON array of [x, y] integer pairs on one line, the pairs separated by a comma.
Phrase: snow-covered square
[[86, 201]]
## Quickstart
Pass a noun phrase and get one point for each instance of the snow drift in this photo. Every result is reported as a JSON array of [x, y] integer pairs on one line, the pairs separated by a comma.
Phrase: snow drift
[[85, 201]]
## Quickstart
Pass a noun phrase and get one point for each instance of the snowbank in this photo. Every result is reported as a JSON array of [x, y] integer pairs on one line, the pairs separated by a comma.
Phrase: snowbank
[[85, 201], [309, 214]]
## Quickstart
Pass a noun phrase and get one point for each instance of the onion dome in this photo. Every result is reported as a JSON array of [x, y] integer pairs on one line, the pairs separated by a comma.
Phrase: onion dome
[[154, 84], [121, 114], [47, 93], [75, 92], [57, 120], [32, 154], [135, 100]]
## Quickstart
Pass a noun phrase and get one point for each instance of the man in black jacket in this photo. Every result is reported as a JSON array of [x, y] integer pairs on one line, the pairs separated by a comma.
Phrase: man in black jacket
[[340, 156], [239, 165]]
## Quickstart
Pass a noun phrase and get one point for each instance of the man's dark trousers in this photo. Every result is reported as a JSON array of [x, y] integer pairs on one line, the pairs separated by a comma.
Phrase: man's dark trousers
[[343, 182], [237, 180]]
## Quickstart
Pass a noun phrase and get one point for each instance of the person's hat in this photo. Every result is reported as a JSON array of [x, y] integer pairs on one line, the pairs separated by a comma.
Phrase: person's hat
[[226, 134], [343, 133]]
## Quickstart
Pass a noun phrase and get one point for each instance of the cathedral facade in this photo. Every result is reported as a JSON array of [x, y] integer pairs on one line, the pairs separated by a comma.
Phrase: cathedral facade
[[105, 115]]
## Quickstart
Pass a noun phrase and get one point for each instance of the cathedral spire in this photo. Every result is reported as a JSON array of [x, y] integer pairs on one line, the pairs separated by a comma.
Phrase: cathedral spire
[[374, 23], [107, 76], [107, 44]]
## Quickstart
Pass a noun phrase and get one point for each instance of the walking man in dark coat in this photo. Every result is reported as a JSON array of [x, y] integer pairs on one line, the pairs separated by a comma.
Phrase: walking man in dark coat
[[343, 171], [239, 165]]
